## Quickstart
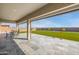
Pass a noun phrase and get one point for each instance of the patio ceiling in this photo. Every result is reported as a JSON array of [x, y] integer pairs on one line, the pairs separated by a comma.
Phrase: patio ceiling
[[14, 11], [19, 12]]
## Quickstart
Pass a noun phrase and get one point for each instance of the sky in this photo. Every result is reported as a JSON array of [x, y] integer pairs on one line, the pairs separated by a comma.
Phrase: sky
[[65, 20]]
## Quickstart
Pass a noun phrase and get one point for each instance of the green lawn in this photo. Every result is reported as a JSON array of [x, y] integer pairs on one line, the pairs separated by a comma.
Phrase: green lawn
[[65, 35]]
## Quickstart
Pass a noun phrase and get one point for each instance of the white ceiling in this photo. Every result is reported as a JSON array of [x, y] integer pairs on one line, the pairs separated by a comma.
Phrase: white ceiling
[[15, 11]]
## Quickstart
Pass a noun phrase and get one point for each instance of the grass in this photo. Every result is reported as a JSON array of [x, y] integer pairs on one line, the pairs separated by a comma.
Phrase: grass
[[64, 35]]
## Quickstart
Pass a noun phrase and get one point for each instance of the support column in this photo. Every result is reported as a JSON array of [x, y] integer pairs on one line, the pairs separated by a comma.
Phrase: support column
[[28, 29], [17, 28]]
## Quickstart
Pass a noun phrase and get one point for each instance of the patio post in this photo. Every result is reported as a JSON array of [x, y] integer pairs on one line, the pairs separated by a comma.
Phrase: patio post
[[28, 29], [17, 28]]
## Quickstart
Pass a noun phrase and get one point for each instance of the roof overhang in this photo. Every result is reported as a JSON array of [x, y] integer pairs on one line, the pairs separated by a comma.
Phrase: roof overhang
[[48, 10]]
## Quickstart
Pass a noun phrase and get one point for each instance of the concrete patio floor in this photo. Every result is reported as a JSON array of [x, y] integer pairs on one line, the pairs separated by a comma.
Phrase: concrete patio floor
[[44, 45]]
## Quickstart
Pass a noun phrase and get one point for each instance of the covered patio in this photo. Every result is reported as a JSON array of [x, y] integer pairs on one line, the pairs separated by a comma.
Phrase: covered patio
[[29, 43], [26, 13]]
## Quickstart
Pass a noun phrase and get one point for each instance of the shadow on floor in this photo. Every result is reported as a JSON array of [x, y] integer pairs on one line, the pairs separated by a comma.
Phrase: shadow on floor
[[11, 48], [16, 48]]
